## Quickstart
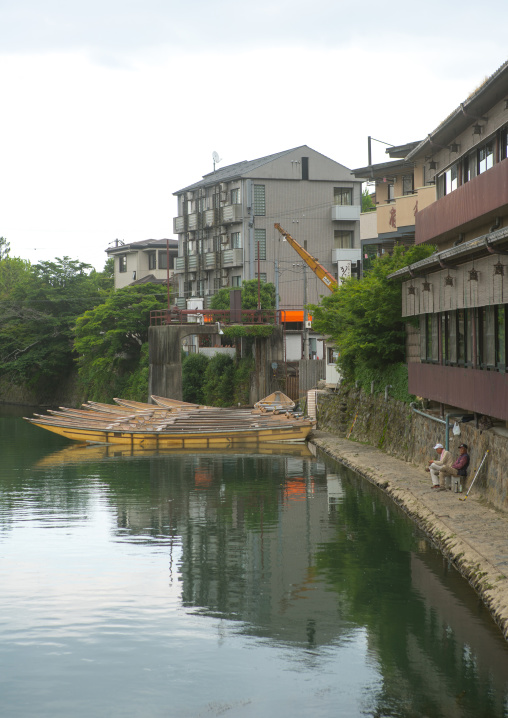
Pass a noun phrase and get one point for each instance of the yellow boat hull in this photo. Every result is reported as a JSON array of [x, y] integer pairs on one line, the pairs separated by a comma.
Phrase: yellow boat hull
[[220, 439]]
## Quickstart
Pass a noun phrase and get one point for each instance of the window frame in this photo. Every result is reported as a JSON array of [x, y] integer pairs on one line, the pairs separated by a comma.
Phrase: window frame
[[259, 200], [260, 240], [122, 263], [343, 193]]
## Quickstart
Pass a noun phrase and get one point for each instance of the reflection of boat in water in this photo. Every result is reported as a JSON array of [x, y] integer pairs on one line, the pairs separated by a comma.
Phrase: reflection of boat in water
[[86, 453], [175, 426]]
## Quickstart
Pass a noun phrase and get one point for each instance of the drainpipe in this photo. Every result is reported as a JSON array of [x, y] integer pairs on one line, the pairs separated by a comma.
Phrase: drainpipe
[[445, 421]]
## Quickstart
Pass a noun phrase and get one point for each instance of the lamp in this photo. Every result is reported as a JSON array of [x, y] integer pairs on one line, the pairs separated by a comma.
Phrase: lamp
[[454, 147], [432, 165], [477, 129]]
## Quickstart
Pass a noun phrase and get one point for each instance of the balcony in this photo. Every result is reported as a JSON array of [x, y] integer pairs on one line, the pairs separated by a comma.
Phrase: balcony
[[192, 221], [232, 258], [178, 225], [346, 212], [403, 210], [346, 255], [179, 265], [192, 262], [231, 213], [209, 260], [210, 217], [469, 206]]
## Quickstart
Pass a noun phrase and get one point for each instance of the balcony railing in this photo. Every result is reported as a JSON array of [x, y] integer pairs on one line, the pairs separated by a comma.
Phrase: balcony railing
[[346, 212], [178, 225], [403, 210], [468, 206], [232, 258], [231, 213]]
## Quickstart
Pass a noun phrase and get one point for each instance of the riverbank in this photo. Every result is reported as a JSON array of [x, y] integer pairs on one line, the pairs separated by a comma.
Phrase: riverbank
[[472, 534]]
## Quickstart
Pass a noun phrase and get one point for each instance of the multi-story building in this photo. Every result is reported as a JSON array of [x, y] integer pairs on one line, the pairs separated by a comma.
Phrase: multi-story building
[[459, 293], [226, 234], [403, 187], [145, 261]]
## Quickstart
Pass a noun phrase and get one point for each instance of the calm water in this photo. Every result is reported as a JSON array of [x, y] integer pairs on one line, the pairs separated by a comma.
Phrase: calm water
[[225, 585]]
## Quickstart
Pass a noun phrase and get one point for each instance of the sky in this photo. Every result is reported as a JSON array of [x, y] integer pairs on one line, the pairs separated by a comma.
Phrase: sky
[[108, 107]]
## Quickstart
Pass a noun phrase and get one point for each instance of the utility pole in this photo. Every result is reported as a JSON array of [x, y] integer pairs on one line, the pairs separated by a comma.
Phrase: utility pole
[[305, 315]]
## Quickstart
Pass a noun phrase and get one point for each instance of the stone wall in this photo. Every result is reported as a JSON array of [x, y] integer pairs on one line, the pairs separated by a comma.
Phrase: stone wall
[[395, 429], [67, 393]]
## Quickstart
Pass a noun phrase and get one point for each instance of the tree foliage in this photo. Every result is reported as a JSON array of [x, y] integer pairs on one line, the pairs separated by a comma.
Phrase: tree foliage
[[193, 375], [249, 296], [111, 341], [38, 309], [364, 318]]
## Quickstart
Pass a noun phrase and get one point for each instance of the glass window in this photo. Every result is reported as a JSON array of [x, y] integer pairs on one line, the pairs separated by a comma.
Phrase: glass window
[[342, 239], [451, 179], [236, 280], [501, 336], [451, 341], [466, 170], [122, 263], [469, 319], [152, 260], [262, 276], [503, 144], [236, 240], [259, 200], [461, 329], [343, 195], [485, 157], [391, 192], [260, 241], [201, 204], [235, 196], [163, 257], [407, 184]]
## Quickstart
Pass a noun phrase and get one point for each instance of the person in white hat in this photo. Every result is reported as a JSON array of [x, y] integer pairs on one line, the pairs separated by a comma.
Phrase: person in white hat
[[435, 465]]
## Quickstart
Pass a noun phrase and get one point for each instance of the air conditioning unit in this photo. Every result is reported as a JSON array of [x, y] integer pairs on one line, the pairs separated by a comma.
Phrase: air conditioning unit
[[224, 273], [308, 325], [191, 276], [223, 230], [223, 186], [224, 282]]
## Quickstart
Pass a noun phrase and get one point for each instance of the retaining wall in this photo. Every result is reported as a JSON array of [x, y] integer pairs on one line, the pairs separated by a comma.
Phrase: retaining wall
[[394, 428]]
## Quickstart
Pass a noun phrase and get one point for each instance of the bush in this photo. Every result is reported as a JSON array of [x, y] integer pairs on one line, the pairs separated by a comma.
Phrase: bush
[[219, 385], [393, 374], [193, 377]]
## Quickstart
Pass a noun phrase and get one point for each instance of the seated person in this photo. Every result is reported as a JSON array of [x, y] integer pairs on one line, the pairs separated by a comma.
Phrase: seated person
[[457, 469], [435, 466]]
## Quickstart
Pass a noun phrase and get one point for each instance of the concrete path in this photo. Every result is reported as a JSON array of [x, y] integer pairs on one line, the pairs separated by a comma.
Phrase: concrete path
[[473, 535]]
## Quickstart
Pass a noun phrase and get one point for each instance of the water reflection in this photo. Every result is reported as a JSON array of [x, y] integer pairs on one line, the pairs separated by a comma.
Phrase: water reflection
[[239, 584]]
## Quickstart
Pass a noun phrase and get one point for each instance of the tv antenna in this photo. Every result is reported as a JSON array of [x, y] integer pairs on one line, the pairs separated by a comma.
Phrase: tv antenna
[[216, 159]]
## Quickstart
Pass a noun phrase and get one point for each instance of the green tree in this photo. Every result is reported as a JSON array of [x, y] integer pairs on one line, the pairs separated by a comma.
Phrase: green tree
[[249, 296], [219, 383], [111, 341], [5, 248], [38, 308], [367, 201], [364, 318]]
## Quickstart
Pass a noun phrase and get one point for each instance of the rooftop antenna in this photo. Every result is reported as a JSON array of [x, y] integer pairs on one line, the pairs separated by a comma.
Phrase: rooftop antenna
[[216, 159]]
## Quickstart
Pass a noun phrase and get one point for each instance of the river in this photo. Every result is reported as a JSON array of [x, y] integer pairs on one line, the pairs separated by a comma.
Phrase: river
[[239, 585]]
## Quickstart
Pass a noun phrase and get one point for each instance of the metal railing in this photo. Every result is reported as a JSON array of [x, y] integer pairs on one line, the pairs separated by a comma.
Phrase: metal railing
[[251, 317]]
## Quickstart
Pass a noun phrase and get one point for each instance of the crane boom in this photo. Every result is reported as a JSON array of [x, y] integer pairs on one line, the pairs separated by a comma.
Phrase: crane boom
[[311, 261]]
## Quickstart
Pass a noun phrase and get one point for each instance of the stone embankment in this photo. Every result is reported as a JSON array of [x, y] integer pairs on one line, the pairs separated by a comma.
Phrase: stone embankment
[[472, 533]]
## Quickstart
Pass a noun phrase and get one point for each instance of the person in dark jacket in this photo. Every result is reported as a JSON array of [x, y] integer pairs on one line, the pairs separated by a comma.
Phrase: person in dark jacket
[[449, 475]]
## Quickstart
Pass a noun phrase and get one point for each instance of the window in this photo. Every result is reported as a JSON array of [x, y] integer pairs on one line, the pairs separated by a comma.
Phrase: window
[[216, 200], [235, 196], [487, 336], [201, 204], [390, 192], [429, 347], [466, 170], [163, 256], [216, 243], [236, 240], [343, 195], [342, 239], [503, 144], [122, 263], [450, 179], [236, 280], [501, 316], [216, 284], [262, 276], [260, 242], [408, 184], [485, 157], [332, 355], [152, 260], [259, 200], [200, 287]]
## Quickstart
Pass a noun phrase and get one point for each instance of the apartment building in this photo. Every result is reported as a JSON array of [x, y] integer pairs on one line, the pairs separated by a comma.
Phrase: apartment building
[[459, 292], [145, 261], [226, 234]]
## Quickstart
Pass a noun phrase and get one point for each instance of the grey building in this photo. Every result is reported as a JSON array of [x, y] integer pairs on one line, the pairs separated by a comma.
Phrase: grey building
[[226, 234]]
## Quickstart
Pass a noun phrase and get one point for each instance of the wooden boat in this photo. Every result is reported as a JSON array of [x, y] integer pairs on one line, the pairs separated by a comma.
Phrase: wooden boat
[[275, 402], [180, 427]]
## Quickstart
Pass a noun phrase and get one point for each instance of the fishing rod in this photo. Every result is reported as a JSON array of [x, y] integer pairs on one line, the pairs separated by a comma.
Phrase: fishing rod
[[474, 479]]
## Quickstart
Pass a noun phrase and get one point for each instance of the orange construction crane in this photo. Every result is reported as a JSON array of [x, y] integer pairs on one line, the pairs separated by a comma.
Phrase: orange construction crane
[[311, 261]]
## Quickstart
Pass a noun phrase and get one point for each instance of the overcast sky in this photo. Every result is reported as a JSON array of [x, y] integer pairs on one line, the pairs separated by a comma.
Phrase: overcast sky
[[110, 106]]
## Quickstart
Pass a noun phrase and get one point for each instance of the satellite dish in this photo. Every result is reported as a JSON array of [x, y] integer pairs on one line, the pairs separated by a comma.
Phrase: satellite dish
[[216, 159]]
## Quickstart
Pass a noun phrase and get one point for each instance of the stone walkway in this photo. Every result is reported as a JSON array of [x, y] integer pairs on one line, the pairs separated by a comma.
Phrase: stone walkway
[[473, 535]]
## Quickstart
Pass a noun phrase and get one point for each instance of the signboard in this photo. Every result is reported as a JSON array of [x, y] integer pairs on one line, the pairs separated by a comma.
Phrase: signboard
[[344, 270]]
